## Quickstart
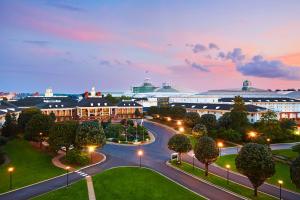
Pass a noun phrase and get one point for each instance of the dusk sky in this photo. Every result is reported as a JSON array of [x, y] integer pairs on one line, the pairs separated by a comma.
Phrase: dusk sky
[[71, 46]]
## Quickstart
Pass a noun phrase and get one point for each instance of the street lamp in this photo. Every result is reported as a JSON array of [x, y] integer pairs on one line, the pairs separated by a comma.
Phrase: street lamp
[[169, 119], [252, 134], [179, 123], [10, 171], [227, 167], [181, 129], [193, 161], [41, 135], [280, 182], [91, 149], [220, 145], [68, 168], [268, 141], [140, 154]]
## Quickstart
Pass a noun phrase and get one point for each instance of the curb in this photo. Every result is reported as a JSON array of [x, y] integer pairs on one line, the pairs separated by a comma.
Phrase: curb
[[152, 139], [103, 160], [207, 182]]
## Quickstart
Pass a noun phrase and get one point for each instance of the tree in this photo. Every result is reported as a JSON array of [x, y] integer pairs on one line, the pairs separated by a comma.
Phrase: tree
[[255, 161], [225, 121], [63, 134], [191, 119], [296, 148], [270, 126], [230, 135], [180, 144], [238, 114], [153, 110], [114, 130], [288, 124], [39, 123], [209, 120], [206, 151], [10, 128], [177, 112], [295, 172], [90, 133], [199, 130], [25, 116], [52, 116], [137, 113]]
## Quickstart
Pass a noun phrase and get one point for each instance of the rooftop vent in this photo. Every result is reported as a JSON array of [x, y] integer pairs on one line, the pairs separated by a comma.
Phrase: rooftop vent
[[105, 104], [193, 106], [98, 104], [92, 104], [217, 107], [204, 106]]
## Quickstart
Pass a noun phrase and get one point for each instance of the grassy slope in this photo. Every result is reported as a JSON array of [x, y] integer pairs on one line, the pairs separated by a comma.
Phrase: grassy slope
[[286, 153], [126, 183], [236, 188], [30, 165], [282, 172]]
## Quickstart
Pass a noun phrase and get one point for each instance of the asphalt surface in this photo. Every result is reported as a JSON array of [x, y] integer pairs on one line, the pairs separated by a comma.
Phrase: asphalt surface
[[155, 156]]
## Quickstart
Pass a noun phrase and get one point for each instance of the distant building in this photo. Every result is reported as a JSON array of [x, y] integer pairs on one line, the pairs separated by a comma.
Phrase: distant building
[[6, 107], [144, 88]]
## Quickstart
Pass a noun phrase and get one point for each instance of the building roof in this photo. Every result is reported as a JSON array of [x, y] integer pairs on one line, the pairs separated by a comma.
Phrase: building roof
[[6, 107], [128, 104], [42, 101], [215, 106], [294, 94], [272, 99], [166, 88], [94, 102]]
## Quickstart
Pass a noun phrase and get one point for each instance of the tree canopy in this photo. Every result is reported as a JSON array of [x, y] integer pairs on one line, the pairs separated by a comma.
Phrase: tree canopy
[[238, 114], [199, 130], [295, 172], [191, 119], [206, 151], [9, 128], [180, 144], [209, 120], [25, 116], [255, 161], [90, 133]]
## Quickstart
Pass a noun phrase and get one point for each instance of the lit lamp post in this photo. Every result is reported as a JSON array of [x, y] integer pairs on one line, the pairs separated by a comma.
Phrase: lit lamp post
[[10, 171], [91, 149], [169, 119], [280, 182], [227, 167], [181, 129], [179, 123], [67, 168], [252, 134], [140, 154], [268, 141], [41, 135], [220, 145]]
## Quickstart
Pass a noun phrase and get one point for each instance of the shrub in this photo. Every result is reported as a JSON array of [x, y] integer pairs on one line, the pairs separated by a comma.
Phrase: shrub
[[231, 135], [199, 130], [77, 157], [2, 157], [3, 140]]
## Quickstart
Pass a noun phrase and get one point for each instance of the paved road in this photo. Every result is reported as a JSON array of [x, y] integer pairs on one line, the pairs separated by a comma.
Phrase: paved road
[[155, 156]]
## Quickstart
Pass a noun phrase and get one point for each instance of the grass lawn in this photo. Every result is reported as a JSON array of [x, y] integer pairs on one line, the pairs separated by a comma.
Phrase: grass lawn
[[282, 172], [125, 183], [236, 188], [30, 165], [288, 153]]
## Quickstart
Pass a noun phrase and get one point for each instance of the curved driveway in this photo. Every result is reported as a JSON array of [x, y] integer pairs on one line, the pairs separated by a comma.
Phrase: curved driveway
[[155, 156]]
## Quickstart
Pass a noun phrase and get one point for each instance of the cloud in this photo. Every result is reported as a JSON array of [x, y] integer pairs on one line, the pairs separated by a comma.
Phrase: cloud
[[37, 42], [63, 6], [196, 66], [199, 48], [105, 63], [260, 67], [213, 46], [236, 55]]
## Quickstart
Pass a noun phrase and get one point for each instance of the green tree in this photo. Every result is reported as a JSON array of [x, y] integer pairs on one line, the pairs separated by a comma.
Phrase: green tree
[[39, 123], [238, 114], [191, 119], [199, 130], [177, 112], [295, 172], [206, 151], [9, 128], [255, 161], [180, 144], [90, 133], [153, 110], [230, 135], [296, 148], [114, 131], [225, 121], [270, 126], [25, 116], [63, 134], [52, 116], [209, 120], [137, 113]]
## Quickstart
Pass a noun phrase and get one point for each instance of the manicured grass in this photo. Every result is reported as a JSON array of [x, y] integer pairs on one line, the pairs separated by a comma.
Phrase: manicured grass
[[236, 188], [282, 172], [30, 165], [288, 153], [125, 183]]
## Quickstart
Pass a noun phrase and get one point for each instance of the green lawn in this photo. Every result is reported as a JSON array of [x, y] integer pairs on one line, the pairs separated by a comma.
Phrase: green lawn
[[288, 153], [30, 165], [236, 188], [282, 172], [125, 183]]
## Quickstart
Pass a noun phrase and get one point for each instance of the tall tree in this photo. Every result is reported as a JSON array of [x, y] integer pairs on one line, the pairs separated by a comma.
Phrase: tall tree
[[25, 116], [39, 123], [206, 151], [63, 134], [191, 119], [269, 125], [177, 112], [199, 130], [255, 161], [9, 128], [180, 144], [238, 115], [209, 120], [295, 172], [225, 121], [90, 133]]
